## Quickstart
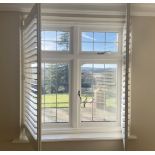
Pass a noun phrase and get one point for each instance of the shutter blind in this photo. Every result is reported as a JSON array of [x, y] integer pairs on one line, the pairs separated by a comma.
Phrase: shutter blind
[[126, 79], [32, 82]]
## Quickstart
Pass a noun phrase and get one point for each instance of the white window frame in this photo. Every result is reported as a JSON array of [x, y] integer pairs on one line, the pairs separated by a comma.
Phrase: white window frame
[[76, 57]]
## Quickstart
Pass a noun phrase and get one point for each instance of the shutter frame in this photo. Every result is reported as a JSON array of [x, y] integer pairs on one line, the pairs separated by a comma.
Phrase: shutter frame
[[32, 79], [126, 80]]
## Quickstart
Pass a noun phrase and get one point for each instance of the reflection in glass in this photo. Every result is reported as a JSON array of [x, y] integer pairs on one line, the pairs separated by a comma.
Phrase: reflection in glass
[[99, 92]]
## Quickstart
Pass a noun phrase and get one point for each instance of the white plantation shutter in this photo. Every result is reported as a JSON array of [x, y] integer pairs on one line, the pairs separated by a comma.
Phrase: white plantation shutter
[[32, 78], [126, 79]]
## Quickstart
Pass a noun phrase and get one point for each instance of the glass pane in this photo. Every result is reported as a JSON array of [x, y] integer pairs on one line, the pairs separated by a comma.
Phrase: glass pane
[[55, 40], [87, 37], [112, 47], [42, 35], [99, 98], [99, 37], [50, 35], [61, 46], [55, 93], [111, 37], [42, 45], [87, 47], [99, 47], [49, 45], [63, 36], [86, 92]]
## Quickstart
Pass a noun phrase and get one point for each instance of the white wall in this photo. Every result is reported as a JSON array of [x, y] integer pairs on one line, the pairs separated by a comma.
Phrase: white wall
[[143, 88]]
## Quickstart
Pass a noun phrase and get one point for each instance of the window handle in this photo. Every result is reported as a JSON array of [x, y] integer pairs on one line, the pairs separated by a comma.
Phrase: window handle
[[79, 94], [103, 52]]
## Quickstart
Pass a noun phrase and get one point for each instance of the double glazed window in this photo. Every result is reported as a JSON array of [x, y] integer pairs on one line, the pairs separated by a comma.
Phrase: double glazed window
[[81, 85]]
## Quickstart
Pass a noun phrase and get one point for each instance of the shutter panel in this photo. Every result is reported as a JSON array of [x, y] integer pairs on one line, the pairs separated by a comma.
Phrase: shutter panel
[[126, 79], [32, 77]]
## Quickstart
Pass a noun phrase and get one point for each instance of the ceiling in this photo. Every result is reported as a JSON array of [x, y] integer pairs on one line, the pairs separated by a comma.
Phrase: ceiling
[[137, 9]]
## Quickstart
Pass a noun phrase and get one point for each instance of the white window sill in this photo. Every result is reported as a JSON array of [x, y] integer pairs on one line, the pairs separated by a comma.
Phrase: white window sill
[[81, 136], [78, 137]]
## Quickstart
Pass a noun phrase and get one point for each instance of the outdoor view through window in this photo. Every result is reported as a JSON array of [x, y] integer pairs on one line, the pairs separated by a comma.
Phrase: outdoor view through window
[[98, 84]]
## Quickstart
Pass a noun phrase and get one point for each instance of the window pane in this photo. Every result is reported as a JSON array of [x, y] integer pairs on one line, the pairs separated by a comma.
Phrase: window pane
[[42, 35], [55, 41], [63, 36], [99, 47], [99, 41], [99, 37], [86, 91], [99, 98], [55, 93], [111, 37], [87, 46], [50, 35], [49, 46], [111, 47], [61, 46], [87, 37], [42, 45]]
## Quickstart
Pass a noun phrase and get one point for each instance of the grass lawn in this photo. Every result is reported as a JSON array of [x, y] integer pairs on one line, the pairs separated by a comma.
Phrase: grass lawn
[[49, 101]]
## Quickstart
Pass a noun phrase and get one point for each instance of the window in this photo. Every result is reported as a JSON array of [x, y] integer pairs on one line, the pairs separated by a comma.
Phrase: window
[[55, 93], [81, 88], [99, 42], [98, 92], [76, 77], [55, 40]]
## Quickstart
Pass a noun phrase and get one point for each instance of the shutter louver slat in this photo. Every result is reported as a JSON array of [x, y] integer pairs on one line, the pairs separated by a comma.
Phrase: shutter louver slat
[[31, 77]]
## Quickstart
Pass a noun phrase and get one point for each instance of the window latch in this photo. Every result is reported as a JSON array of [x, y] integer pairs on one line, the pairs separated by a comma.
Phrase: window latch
[[103, 52]]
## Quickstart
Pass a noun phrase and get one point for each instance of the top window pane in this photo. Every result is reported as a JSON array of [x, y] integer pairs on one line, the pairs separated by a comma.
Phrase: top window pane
[[99, 37], [55, 41], [50, 35], [63, 36], [87, 37], [111, 37], [99, 42]]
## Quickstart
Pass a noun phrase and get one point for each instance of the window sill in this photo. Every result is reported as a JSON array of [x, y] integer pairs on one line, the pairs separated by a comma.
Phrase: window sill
[[82, 136]]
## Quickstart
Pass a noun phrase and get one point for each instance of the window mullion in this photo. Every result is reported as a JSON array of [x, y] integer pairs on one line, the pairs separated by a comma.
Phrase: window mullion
[[75, 80]]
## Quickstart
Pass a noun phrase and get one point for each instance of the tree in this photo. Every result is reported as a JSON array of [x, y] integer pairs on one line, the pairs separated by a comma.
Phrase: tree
[[64, 40], [56, 78]]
